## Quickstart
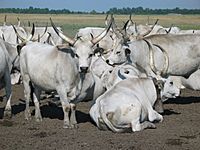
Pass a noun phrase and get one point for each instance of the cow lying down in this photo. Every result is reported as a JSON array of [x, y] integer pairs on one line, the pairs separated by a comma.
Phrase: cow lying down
[[128, 105]]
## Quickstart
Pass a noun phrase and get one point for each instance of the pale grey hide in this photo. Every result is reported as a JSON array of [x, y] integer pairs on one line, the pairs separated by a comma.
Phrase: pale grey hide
[[193, 82], [183, 52], [49, 32], [10, 36], [8, 60], [50, 68], [127, 105]]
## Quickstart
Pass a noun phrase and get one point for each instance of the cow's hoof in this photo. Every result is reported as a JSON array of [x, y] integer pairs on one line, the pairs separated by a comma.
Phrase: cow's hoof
[[160, 110], [74, 126], [7, 114], [38, 119], [65, 126], [152, 126], [27, 115]]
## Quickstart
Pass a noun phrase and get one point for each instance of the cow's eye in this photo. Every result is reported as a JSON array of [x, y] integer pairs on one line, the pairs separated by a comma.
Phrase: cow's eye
[[90, 55], [77, 55], [171, 83], [118, 52]]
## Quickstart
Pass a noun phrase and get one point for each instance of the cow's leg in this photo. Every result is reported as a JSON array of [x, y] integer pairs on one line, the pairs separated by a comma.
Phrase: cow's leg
[[27, 95], [154, 116], [65, 105], [158, 106], [137, 126], [8, 90], [73, 116], [36, 98]]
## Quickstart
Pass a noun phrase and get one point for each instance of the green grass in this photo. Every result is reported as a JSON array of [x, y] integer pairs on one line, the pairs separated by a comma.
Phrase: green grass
[[70, 23]]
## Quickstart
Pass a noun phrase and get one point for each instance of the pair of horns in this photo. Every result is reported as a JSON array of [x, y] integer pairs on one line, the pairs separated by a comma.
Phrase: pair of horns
[[72, 41], [151, 59]]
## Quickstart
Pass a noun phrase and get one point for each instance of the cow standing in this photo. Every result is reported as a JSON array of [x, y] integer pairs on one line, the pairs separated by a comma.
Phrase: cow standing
[[8, 61], [51, 68]]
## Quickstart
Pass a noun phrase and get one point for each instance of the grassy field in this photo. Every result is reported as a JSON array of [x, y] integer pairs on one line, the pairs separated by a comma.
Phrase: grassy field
[[71, 23]]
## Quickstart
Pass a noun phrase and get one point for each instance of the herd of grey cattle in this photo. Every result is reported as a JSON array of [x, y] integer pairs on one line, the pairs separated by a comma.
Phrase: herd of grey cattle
[[127, 72]]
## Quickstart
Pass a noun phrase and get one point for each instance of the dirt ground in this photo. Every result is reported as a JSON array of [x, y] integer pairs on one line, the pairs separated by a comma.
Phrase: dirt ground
[[179, 130]]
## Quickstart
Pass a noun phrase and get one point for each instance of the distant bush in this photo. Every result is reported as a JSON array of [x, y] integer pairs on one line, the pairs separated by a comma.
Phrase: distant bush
[[137, 11]]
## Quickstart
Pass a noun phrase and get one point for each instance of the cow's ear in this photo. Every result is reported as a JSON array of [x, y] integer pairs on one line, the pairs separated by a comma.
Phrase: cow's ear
[[19, 47], [99, 50], [127, 51]]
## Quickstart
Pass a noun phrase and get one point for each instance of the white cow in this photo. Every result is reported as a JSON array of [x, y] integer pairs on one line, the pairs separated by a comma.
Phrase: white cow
[[8, 61], [10, 36], [128, 105], [192, 82], [44, 33], [83, 47], [115, 74], [51, 68]]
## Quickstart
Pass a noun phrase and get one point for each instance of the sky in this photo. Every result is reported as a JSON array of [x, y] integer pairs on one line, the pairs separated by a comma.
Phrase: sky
[[99, 5]]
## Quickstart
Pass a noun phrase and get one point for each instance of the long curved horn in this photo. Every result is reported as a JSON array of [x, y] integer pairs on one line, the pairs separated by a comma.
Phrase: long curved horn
[[151, 59], [18, 22], [3, 38], [167, 31], [5, 18], [32, 33], [136, 29], [149, 31], [23, 39], [130, 18], [18, 35], [102, 35], [106, 20], [49, 39], [40, 36], [114, 25], [61, 35], [164, 70]]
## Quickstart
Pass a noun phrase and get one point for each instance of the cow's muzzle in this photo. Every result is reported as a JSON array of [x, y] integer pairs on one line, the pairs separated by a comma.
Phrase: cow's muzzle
[[84, 69]]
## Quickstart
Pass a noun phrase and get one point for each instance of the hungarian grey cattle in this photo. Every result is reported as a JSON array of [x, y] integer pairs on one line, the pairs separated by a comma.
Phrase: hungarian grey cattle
[[149, 51], [10, 36], [134, 30], [84, 48], [192, 82], [58, 72], [115, 74], [46, 35], [9, 60], [161, 54], [128, 105]]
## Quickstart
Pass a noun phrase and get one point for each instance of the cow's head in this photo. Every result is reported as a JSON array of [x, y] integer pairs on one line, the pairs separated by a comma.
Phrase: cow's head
[[169, 90], [119, 54], [83, 48], [23, 39]]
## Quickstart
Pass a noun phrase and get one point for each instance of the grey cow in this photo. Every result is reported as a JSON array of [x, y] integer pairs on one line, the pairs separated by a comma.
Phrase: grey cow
[[128, 106], [51, 68]]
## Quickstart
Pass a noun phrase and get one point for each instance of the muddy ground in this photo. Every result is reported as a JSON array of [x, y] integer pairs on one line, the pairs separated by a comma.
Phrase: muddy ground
[[179, 131]]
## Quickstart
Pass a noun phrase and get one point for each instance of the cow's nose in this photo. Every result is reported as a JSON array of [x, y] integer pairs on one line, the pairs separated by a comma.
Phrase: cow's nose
[[84, 69]]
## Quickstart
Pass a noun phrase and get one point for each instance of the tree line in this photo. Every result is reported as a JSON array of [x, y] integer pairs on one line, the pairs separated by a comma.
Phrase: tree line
[[138, 10]]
